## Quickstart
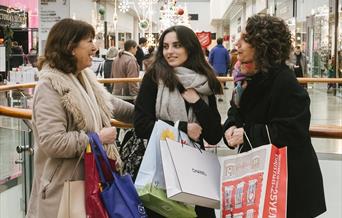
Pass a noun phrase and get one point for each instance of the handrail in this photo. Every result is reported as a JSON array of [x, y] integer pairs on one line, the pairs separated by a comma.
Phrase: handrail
[[318, 131], [27, 115], [138, 79]]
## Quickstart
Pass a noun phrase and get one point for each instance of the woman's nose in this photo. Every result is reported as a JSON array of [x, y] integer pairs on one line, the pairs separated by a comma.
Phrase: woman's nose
[[169, 49]]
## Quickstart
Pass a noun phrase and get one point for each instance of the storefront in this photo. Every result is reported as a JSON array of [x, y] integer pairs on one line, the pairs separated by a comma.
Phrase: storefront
[[18, 31], [318, 32]]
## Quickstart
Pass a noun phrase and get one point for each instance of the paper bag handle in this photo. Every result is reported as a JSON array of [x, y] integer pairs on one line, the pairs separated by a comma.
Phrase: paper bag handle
[[244, 133]]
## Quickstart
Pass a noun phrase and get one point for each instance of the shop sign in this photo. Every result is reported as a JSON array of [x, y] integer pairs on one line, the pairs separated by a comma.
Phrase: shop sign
[[14, 18], [204, 38]]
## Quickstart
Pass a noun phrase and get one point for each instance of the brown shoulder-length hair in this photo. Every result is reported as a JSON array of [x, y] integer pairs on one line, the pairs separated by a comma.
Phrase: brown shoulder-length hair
[[160, 69], [63, 37], [271, 38]]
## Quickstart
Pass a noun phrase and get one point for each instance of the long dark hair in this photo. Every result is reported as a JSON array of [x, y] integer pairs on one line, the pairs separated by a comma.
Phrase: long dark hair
[[63, 37], [161, 70], [271, 38]]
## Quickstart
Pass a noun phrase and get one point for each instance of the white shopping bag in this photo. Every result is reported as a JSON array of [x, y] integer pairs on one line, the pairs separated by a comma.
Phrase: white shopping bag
[[150, 182], [191, 175]]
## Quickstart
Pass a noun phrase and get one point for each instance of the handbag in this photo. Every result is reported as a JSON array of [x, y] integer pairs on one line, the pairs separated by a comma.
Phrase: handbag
[[118, 194], [93, 202], [72, 204], [254, 183], [132, 151], [191, 175], [150, 181]]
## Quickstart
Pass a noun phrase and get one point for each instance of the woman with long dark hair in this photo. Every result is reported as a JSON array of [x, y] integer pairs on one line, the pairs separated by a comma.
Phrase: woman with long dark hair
[[180, 87]]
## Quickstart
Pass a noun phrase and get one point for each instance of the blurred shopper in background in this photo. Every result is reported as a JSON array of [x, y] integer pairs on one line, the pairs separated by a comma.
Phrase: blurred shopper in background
[[17, 55], [97, 63], [271, 95], [126, 66], [32, 57], [68, 103], [140, 52], [219, 59], [148, 59], [180, 86], [298, 62], [107, 66]]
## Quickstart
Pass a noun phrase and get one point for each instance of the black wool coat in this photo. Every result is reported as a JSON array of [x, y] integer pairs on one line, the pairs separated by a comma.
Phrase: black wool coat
[[278, 100]]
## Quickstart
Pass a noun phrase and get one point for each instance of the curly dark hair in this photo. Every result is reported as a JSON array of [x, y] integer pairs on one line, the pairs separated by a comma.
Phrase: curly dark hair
[[271, 38], [63, 37], [160, 69]]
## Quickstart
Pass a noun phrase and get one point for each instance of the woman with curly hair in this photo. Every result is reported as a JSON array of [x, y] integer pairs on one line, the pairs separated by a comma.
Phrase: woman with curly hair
[[269, 94]]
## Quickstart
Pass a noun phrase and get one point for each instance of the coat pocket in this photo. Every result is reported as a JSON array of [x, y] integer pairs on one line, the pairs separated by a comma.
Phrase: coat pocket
[[46, 180]]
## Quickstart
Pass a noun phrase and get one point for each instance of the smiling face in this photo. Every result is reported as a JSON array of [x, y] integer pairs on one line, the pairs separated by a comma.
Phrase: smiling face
[[245, 50], [173, 51], [83, 53]]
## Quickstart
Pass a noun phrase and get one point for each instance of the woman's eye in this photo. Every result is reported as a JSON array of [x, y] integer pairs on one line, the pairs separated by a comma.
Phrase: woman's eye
[[178, 45]]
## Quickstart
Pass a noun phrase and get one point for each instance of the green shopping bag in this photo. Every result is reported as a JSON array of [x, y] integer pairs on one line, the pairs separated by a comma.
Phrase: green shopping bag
[[150, 182]]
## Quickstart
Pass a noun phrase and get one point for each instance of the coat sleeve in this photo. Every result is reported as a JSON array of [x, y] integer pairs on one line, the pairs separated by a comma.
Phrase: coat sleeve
[[211, 56], [123, 110], [132, 71], [51, 122], [209, 119]]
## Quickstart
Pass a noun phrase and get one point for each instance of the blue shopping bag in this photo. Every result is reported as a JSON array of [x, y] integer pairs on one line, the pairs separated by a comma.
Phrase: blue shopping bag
[[118, 195]]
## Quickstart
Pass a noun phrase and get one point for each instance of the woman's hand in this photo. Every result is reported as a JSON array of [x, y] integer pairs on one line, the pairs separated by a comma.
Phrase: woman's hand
[[191, 96], [107, 135], [194, 131], [234, 136]]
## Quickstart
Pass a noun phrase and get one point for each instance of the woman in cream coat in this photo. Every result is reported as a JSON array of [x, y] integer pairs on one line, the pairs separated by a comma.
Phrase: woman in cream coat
[[68, 103]]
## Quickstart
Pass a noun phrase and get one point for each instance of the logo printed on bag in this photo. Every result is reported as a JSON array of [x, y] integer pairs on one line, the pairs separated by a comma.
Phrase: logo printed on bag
[[275, 186], [199, 172], [167, 133]]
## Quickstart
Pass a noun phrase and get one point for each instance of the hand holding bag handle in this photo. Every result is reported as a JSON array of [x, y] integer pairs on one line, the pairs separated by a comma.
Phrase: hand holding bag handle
[[249, 142]]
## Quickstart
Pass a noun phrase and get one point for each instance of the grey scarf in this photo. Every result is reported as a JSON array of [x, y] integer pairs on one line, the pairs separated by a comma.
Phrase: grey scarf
[[171, 105]]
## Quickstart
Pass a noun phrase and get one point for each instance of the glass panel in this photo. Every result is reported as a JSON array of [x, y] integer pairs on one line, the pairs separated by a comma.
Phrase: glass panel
[[14, 172], [15, 157]]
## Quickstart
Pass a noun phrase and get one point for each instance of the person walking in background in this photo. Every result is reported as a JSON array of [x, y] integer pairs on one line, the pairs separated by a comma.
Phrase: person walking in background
[[68, 103], [180, 86], [107, 66], [32, 57], [126, 66], [298, 62], [271, 95], [140, 52], [148, 59], [219, 59], [17, 55], [97, 64]]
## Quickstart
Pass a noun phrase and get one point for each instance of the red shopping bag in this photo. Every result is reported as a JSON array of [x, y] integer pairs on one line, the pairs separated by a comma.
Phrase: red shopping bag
[[94, 206], [254, 183]]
